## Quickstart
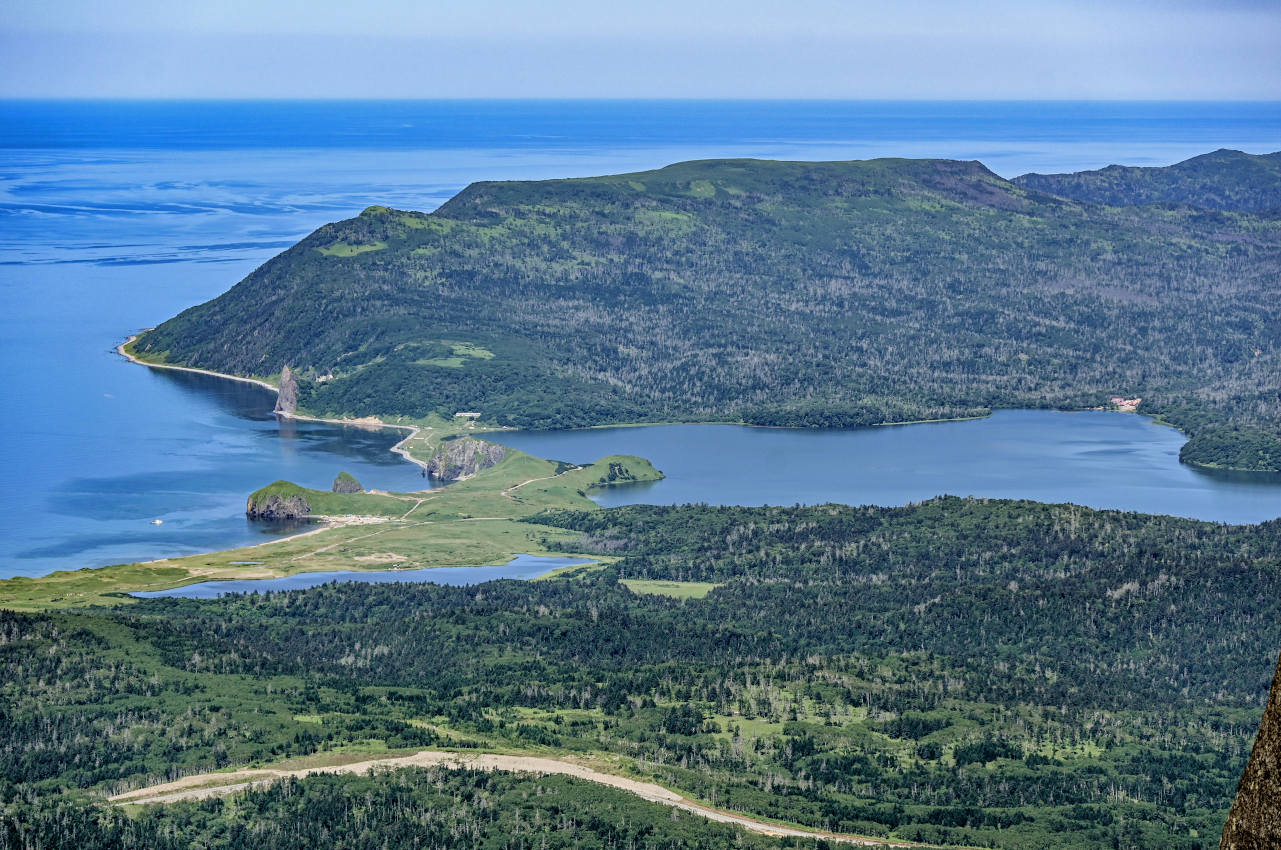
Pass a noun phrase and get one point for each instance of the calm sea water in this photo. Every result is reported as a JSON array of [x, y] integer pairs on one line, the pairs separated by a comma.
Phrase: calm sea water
[[116, 215]]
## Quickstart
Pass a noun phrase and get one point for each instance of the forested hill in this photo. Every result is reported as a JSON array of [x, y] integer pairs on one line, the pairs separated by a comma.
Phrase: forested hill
[[970, 672], [786, 293], [1222, 180]]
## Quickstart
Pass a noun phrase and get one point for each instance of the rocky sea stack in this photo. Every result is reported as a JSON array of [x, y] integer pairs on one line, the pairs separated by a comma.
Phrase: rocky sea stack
[[287, 398], [463, 457], [347, 483], [1255, 820], [281, 500]]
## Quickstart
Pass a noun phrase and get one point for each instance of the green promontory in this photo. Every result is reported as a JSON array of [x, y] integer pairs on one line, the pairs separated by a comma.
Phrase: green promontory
[[287, 500], [831, 294], [280, 500], [457, 458]]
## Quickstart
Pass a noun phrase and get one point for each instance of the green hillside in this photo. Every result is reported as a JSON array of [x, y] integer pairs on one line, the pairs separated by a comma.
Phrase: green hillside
[[441, 809], [784, 293], [968, 672], [1222, 180]]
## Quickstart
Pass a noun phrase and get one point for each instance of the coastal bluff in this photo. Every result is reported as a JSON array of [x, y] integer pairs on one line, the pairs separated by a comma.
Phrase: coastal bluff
[[1255, 820], [281, 500], [346, 483], [463, 457]]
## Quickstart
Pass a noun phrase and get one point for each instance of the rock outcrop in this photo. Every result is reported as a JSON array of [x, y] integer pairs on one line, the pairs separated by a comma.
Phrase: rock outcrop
[[287, 398], [1255, 820], [282, 500], [463, 457], [347, 483]]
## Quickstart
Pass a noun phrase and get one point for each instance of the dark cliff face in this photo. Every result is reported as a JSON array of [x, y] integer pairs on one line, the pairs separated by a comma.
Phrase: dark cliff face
[[463, 458], [287, 400], [1255, 820], [277, 507]]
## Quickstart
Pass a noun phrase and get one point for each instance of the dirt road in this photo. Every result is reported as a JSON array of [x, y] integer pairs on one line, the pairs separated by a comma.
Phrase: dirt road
[[218, 784]]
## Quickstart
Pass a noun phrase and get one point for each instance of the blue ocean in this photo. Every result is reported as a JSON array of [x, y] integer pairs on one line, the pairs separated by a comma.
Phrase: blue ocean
[[116, 215]]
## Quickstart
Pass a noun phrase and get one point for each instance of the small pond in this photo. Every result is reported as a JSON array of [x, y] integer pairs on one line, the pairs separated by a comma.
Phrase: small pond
[[521, 567]]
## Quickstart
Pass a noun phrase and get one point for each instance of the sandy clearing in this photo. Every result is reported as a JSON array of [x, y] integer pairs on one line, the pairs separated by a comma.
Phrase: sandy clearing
[[218, 784], [380, 558]]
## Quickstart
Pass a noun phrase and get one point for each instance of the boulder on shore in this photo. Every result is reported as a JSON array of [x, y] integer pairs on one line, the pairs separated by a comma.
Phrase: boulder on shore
[[1255, 820]]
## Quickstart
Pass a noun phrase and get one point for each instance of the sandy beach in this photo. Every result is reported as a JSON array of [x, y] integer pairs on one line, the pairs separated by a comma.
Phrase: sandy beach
[[364, 422]]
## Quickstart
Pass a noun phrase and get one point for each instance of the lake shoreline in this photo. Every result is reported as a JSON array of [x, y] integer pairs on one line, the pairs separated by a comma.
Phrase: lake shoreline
[[496, 433], [375, 574], [376, 422]]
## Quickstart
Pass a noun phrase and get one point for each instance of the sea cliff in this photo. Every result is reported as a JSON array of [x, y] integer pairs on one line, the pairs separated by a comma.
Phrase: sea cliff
[[281, 500], [463, 457]]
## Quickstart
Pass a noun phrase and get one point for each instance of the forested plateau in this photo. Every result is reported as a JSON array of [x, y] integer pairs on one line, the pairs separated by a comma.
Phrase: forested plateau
[[822, 294], [959, 672], [1222, 180]]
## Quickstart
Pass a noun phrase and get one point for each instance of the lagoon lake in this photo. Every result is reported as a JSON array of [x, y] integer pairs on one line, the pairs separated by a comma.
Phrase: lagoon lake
[[522, 567], [1101, 459]]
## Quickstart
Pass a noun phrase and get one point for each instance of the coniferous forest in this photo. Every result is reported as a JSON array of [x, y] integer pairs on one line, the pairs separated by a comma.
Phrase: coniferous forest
[[959, 672]]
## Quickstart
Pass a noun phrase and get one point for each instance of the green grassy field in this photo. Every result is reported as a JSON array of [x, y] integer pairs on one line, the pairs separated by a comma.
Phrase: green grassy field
[[675, 589], [345, 249]]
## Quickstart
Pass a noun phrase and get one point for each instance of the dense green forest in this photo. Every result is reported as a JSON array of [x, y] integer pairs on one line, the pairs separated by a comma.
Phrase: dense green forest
[[1222, 180], [830, 294], [973, 672], [428, 808]]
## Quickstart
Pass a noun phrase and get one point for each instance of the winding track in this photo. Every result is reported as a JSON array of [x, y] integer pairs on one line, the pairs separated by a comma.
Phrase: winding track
[[207, 785]]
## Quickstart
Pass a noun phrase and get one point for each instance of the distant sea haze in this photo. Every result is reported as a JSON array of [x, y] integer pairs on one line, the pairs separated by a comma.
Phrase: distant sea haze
[[118, 215]]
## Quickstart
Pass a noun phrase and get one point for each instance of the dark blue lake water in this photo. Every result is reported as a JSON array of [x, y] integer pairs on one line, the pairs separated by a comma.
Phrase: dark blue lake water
[[116, 215], [521, 567], [1096, 458]]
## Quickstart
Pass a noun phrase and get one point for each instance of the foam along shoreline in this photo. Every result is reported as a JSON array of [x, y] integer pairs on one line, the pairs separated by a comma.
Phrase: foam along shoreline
[[366, 422]]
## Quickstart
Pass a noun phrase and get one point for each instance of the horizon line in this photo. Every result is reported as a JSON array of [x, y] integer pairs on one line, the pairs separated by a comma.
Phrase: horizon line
[[620, 99]]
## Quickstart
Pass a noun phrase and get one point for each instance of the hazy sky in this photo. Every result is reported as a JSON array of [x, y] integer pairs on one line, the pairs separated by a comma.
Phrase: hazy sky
[[1123, 49]]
